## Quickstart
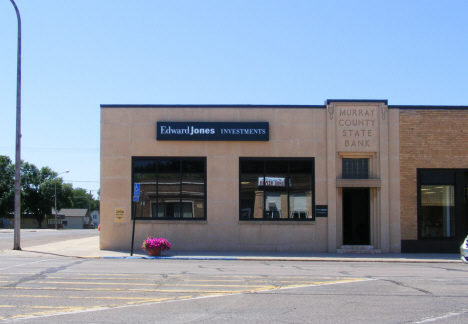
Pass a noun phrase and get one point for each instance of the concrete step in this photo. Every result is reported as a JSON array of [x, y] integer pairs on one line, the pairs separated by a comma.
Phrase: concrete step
[[358, 249]]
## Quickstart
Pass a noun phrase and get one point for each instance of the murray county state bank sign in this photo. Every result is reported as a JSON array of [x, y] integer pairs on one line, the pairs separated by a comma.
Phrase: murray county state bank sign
[[212, 131]]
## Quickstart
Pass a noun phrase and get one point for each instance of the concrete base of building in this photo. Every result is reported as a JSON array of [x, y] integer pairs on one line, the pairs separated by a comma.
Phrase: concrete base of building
[[358, 249]]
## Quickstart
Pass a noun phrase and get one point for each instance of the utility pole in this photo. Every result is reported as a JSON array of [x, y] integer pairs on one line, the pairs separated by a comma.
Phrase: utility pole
[[55, 191], [16, 244]]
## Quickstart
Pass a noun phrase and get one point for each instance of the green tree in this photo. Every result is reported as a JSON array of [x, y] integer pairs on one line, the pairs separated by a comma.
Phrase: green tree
[[7, 185], [38, 188], [83, 199]]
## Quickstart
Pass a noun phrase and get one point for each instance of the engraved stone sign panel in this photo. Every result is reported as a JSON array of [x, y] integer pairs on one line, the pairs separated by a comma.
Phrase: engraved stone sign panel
[[357, 128]]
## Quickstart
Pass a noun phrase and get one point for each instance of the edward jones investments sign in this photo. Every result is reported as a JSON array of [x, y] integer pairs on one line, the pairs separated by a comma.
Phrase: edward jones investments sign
[[210, 131]]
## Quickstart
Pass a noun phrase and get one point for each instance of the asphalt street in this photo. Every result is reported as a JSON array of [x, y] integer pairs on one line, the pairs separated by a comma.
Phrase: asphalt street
[[37, 286], [30, 237], [70, 290]]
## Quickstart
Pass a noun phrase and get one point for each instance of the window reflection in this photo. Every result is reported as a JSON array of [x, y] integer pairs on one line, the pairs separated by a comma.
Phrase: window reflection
[[251, 196], [276, 194], [170, 188], [193, 195], [437, 210], [276, 189], [300, 197], [148, 192]]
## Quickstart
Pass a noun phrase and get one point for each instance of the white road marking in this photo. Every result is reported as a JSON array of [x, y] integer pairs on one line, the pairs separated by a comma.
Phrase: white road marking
[[95, 309], [19, 265], [433, 319]]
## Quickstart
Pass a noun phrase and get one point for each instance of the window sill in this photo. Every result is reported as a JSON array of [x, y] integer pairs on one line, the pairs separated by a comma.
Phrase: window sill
[[173, 221], [276, 222]]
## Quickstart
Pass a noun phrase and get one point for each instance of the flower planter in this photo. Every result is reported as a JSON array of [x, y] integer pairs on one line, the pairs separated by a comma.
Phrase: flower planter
[[154, 252], [155, 245]]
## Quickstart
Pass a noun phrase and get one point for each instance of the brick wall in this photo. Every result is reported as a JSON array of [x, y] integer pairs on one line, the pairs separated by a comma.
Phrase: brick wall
[[428, 139]]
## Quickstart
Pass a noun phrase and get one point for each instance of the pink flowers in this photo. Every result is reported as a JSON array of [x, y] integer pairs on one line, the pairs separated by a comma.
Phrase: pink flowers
[[152, 243]]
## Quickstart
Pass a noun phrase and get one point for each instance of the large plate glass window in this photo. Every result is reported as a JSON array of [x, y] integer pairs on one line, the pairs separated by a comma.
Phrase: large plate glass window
[[437, 203], [276, 189], [170, 188]]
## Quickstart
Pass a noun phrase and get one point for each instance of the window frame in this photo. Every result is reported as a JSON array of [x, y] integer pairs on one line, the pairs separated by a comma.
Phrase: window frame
[[181, 198], [456, 204], [174, 201], [289, 192], [361, 163]]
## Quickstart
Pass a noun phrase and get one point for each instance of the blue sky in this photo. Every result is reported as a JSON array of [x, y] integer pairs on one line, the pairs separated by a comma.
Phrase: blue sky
[[77, 55]]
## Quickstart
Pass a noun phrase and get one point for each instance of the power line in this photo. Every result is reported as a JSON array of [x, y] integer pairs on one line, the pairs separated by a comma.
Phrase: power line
[[53, 149]]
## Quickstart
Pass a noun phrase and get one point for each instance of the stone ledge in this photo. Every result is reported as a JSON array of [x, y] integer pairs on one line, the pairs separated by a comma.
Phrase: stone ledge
[[358, 249]]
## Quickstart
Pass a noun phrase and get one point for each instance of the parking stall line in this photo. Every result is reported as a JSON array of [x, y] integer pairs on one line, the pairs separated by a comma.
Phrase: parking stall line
[[132, 284], [78, 297], [74, 310], [24, 264], [168, 288], [131, 290], [185, 298]]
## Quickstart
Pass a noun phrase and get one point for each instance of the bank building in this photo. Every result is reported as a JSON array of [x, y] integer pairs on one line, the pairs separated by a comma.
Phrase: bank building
[[345, 176]]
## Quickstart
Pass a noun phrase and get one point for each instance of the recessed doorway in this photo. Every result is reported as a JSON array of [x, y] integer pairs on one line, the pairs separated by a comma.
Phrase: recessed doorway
[[356, 216]]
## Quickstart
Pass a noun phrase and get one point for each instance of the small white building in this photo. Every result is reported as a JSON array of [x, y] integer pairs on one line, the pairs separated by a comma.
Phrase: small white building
[[95, 217], [78, 218]]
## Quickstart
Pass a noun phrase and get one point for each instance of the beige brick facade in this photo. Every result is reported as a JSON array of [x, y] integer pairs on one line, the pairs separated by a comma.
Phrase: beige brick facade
[[428, 139], [131, 131], [396, 141]]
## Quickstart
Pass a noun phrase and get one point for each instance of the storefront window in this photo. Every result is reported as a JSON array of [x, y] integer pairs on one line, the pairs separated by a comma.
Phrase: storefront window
[[437, 203], [170, 188], [279, 189], [437, 211]]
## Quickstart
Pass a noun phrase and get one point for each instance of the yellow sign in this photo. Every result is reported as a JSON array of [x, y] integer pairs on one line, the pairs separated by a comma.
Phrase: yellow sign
[[119, 215]]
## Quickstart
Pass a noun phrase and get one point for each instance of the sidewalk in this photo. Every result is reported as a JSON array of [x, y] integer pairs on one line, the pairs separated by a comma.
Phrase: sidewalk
[[89, 248]]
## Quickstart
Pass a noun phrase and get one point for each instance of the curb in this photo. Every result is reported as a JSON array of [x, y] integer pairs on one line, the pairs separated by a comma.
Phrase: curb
[[285, 259], [253, 258], [170, 257]]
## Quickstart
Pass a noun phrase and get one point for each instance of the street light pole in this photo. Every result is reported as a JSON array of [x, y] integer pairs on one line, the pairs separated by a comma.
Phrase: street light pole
[[16, 244], [55, 195]]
